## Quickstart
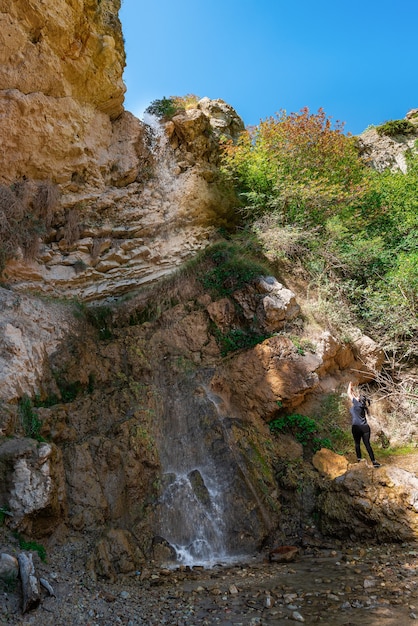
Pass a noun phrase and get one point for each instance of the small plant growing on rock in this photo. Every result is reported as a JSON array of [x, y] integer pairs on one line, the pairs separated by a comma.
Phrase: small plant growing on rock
[[396, 127], [3, 513], [164, 108], [227, 268], [238, 339], [31, 546], [30, 422]]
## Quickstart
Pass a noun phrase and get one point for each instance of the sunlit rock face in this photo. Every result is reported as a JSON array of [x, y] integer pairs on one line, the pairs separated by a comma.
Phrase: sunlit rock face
[[162, 202], [61, 86], [388, 152], [136, 200], [372, 504]]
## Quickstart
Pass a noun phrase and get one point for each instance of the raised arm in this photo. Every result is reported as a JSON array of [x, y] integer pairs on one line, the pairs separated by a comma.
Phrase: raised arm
[[350, 392]]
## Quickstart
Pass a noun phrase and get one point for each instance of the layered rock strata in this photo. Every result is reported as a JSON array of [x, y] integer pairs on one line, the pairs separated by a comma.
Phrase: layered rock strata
[[133, 204]]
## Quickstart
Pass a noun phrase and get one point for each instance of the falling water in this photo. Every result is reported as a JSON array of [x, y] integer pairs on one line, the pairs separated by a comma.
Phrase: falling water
[[203, 510]]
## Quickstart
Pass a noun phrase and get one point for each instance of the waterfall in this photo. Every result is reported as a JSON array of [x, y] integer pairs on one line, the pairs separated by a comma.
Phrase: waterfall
[[206, 510]]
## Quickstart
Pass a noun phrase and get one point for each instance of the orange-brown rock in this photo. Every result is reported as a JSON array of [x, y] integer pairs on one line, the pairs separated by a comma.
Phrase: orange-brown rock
[[371, 503], [329, 463]]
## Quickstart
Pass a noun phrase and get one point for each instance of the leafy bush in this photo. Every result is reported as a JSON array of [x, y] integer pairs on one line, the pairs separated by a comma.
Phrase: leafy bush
[[396, 127], [297, 165], [310, 198], [302, 428], [164, 109], [238, 339]]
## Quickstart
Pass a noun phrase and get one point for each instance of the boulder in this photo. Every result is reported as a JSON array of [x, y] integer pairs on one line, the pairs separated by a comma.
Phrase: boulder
[[34, 487], [371, 503], [114, 555], [329, 463]]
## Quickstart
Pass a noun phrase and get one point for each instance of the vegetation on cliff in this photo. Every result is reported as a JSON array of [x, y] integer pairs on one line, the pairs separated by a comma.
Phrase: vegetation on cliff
[[309, 197]]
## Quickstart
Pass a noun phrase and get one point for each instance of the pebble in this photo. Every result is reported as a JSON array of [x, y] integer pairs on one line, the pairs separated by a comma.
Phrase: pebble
[[297, 617], [265, 595]]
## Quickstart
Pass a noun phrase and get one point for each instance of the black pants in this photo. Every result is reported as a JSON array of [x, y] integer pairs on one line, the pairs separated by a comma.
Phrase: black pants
[[362, 433]]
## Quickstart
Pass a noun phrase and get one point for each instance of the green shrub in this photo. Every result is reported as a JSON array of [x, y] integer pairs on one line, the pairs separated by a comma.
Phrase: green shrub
[[297, 165], [303, 429], [31, 546], [396, 127], [238, 339], [164, 109], [227, 267], [99, 316]]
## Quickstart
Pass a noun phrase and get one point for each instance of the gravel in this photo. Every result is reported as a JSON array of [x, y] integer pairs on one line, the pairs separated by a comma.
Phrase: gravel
[[353, 585]]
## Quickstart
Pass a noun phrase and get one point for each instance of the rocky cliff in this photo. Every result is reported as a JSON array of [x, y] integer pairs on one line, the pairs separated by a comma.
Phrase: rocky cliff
[[89, 393], [133, 203]]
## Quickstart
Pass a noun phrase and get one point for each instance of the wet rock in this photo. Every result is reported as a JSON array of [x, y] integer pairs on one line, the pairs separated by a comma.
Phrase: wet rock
[[283, 554]]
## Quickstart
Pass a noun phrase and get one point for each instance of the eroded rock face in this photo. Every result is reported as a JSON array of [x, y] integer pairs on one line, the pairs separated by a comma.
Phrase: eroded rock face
[[60, 86], [30, 331], [34, 485], [371, 503], [388, 152], [136, 201], [163, 205], [144, 392]]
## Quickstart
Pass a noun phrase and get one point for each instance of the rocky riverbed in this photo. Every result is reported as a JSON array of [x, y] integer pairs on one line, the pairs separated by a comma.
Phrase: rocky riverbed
[[340, 586]]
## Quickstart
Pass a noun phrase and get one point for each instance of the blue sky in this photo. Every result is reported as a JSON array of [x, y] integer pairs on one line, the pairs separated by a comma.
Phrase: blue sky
[[358, 60]]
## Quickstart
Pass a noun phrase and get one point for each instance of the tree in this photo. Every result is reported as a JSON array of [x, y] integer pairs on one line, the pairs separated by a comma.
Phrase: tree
[[297, 164]]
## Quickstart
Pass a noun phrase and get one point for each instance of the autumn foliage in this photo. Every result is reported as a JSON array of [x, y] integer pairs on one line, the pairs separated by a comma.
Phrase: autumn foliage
[[299, 164]]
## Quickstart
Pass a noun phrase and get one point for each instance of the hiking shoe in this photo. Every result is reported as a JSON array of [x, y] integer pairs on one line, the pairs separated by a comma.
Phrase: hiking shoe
[[360, 460], [376, 464]]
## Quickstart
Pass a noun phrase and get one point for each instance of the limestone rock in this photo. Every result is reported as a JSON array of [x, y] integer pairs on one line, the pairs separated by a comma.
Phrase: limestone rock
[[269, 301], [154, 216], [222, 117], [30, 331], [34, 485], [387, 152]]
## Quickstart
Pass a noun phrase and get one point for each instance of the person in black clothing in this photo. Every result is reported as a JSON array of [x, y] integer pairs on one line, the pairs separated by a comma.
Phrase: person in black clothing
[[359, 426]]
